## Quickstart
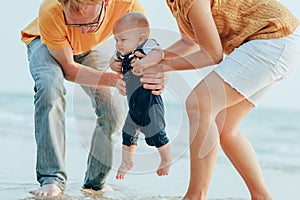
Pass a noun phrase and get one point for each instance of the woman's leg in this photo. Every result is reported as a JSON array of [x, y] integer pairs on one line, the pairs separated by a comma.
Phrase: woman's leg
[[206, 100], [239, 150]]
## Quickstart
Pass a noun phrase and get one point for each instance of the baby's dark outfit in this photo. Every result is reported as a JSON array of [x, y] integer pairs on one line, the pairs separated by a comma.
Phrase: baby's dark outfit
[[146, 111]]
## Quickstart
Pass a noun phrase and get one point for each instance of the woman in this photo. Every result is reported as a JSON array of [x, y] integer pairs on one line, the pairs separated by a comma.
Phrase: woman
[[261, 39]]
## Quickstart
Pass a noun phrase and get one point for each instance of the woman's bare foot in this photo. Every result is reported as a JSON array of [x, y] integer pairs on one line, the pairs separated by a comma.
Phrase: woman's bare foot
[[124, 168], [49, 190], [166, 160], [127, 161]]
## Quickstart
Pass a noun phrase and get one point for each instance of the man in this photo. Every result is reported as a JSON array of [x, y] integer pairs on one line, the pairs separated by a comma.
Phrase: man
[[60, 45]]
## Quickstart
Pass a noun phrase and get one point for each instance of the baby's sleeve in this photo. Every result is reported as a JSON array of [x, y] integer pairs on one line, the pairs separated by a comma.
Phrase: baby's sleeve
[[150, 45]]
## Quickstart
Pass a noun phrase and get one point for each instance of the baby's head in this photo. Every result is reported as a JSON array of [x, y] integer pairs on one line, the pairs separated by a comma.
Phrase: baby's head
[[130, 31]]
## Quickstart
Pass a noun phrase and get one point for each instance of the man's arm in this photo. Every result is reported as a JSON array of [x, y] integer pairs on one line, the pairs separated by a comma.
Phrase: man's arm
[[81, 74]]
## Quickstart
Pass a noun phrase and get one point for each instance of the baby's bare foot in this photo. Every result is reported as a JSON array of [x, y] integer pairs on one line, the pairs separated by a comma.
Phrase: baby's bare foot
[[124, 168], [49, 190], [163, 169], [165, 160]]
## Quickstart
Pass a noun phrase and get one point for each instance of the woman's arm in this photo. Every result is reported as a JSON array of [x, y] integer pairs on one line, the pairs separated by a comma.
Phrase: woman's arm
[[209, 51], [181, 47], [207, 37]]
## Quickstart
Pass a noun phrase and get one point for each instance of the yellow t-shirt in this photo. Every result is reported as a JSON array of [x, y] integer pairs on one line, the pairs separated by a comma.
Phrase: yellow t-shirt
[[50, 26], [239, 21]]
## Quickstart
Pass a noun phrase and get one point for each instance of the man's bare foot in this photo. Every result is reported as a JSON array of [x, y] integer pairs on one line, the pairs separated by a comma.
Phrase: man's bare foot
[[124, 168], [89, 192], [49, 190]]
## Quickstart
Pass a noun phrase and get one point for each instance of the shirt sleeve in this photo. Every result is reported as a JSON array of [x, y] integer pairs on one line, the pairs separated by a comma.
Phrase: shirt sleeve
[[137, 7], [52, 30], [150, 45]]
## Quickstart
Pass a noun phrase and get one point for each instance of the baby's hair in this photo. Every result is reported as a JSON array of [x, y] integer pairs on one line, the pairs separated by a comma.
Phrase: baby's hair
[[134, 20]]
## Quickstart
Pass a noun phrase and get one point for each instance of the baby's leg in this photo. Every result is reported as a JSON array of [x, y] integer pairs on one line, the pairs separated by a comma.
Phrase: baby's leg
[[165, 160], [127, 160]]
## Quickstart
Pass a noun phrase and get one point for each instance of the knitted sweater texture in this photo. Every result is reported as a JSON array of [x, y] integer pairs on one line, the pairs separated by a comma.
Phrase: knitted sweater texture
[[239, 21]]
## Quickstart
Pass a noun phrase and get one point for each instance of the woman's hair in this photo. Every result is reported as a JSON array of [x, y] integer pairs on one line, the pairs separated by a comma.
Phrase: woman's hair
[[75, 5]]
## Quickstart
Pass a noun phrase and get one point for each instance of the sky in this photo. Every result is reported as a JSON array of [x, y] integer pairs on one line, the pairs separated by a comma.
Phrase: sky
[[15, 76]]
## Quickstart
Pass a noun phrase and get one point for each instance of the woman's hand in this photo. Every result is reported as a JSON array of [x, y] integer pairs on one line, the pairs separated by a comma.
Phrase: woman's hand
[[151, 69], [145, 64], [152, 75], [115, 65], [154, 82]]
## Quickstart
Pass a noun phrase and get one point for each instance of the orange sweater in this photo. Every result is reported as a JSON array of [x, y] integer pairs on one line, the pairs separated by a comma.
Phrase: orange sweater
[[239, 21]]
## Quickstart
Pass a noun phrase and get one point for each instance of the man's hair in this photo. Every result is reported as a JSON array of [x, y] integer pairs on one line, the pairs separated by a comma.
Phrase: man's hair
[[135, 20], [76, 5]]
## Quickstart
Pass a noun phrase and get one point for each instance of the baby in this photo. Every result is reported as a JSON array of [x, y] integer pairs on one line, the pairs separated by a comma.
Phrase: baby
[[146, 111]]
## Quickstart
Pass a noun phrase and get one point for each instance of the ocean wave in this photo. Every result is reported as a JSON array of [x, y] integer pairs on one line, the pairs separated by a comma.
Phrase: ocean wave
[[15, 119]]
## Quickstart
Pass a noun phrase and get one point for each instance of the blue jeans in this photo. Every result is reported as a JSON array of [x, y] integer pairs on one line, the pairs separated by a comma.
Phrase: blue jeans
[[50, 105]]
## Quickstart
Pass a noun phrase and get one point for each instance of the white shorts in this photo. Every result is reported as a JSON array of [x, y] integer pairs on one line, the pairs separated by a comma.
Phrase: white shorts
[[255, 66]]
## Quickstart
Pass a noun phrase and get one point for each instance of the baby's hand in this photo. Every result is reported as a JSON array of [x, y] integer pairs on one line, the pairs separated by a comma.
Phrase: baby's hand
[[137, 61], [121, 85], [115, 65]]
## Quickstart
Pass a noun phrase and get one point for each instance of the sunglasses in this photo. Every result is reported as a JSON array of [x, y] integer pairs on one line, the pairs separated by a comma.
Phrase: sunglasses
[[93, 24]]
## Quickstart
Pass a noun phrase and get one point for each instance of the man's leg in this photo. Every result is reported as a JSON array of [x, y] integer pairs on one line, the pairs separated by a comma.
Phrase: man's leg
[[110, 111], [49, 104]]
